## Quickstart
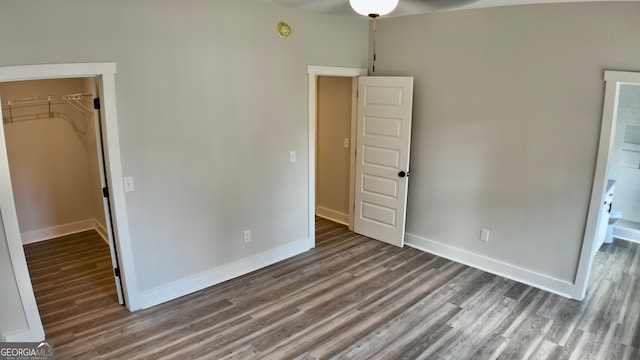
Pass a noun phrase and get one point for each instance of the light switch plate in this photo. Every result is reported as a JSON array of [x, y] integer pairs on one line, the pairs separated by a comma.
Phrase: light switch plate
[[292, 156], [128, 184], [484, 235]]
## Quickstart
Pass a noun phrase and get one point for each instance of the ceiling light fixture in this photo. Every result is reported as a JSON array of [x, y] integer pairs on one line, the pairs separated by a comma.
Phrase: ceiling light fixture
[[373, 9]]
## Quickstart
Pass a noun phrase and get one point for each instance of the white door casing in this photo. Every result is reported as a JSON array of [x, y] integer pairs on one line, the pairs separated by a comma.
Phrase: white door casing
[[313, 72], [613, 80], [97, 116], [106, 73], [382, 158], [16, 251]]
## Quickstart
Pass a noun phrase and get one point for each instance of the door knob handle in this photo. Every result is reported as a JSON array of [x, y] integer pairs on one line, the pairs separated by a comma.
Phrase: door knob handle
[[402, 173]]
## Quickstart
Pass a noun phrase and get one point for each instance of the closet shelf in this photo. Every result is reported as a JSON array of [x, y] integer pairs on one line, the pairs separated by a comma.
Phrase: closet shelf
[[81, 102]]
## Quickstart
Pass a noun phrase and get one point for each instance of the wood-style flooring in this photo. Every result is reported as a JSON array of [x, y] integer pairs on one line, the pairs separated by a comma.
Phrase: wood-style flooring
[[349, 298]]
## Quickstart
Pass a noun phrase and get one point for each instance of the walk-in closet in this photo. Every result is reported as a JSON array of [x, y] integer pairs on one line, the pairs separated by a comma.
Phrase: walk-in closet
[[51, 137]]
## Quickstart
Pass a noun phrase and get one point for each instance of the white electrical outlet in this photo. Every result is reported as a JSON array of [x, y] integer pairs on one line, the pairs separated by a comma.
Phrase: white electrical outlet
[[484, 235], [246, 235]]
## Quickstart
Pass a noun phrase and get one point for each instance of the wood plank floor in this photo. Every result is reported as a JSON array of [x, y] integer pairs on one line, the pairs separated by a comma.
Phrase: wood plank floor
[[350, 298]]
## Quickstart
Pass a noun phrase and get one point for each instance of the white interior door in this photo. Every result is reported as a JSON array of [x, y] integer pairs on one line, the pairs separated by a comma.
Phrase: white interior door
[[382, 157]]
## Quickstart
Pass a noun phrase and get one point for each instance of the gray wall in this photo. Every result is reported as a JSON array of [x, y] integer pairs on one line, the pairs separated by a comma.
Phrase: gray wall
[[210, 102], [507, 113]]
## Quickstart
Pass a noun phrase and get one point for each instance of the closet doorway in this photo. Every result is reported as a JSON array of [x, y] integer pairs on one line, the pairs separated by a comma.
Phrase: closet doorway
[[379, 145], [314, 74], [53, 139], [334, 181], [104, 75]]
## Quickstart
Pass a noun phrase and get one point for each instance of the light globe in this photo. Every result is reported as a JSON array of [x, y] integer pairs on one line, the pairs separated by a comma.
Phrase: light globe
[[373, 8]]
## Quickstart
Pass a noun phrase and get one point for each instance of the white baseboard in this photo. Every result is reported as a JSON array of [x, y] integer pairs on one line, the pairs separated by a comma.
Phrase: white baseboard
[[222, 273], [540, 281], [633, 240], [627, 234], [28, 335], [101, 230], [332, 215], [34, 236]]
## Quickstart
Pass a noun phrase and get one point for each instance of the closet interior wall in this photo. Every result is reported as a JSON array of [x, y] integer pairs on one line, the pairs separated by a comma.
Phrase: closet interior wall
[[333, 134], [53, 159]]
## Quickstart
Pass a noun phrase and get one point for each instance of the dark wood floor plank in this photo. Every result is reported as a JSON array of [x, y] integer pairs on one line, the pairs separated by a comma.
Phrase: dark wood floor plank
[[349, 298]]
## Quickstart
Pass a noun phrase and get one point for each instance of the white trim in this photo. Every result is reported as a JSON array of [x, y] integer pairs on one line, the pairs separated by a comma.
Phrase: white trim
[[352, 151], [101, 230], [314, 71], [120, 222], [34, 236], [626, 234], [34, 330], [335, 216], [613, 81], [622, 77], [105, 72], [222, 273], [55, 71], [516, 273], [624, 238], [106, 229], [28, 335]]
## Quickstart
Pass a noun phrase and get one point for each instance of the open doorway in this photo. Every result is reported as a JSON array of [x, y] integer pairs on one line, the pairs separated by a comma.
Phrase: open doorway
[[314, 73], [52, 147], [624, 167], [54, 151], [598, 215], [104, 75], [379, 149], [334, 156]]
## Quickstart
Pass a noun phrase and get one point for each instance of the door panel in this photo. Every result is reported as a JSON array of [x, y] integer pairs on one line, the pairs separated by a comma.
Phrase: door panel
[[383, 139], [381, 186], [383, 127], [381, 157]]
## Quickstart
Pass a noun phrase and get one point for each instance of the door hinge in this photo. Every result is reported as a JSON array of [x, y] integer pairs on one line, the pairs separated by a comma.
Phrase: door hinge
[[96, 103], [105, 192], [116, 272]]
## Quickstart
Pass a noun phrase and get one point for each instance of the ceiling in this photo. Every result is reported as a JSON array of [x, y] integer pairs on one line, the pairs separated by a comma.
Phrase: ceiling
[[411, 7]]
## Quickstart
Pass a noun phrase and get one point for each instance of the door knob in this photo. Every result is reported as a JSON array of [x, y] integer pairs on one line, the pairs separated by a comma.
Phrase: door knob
[[403, 174]]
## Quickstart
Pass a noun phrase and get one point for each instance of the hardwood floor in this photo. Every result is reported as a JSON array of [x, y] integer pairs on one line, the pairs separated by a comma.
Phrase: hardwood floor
[[350, 298]]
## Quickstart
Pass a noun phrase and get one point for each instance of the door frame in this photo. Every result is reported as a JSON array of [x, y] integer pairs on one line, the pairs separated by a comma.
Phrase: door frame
[[613, 80], [313, 72], [105, 74]]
